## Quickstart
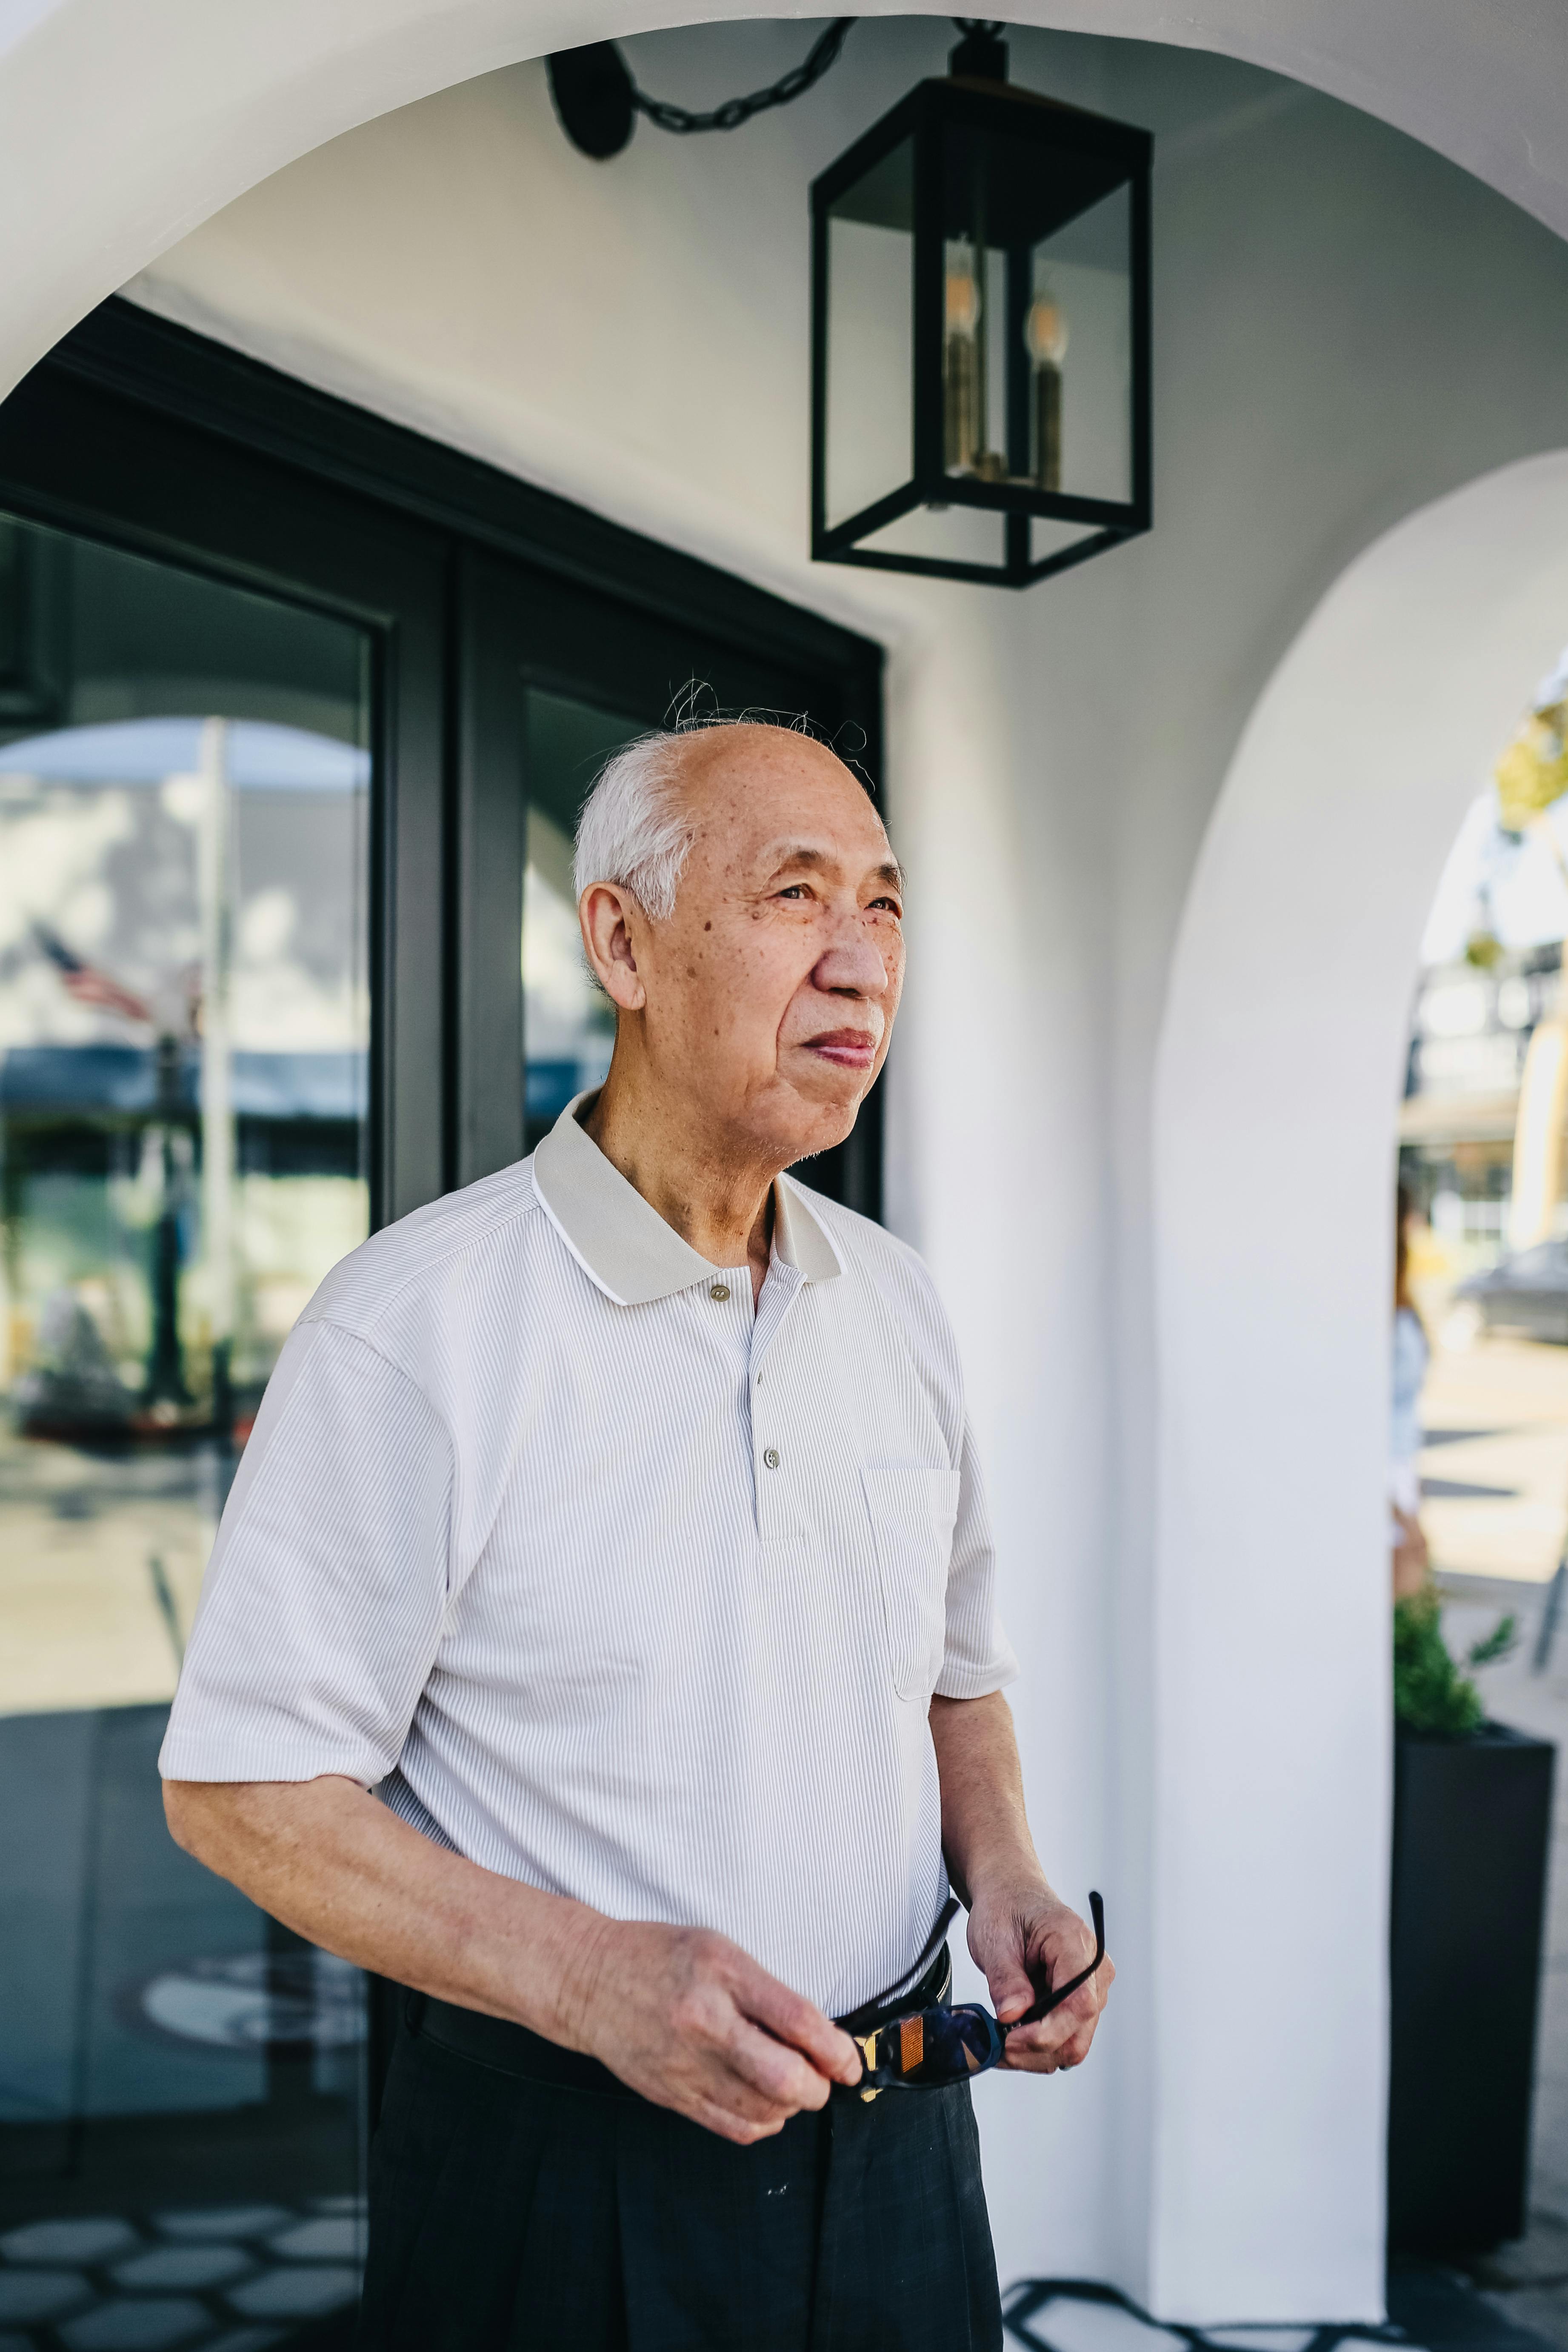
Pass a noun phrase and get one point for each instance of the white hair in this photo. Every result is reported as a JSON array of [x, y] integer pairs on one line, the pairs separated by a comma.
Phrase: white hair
[[633, 830]]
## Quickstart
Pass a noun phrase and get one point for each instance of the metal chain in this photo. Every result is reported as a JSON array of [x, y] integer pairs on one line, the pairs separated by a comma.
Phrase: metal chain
[[736, 111]]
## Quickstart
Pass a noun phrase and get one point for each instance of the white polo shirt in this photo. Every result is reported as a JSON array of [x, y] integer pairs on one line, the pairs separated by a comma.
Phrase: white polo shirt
[[605, 1579]]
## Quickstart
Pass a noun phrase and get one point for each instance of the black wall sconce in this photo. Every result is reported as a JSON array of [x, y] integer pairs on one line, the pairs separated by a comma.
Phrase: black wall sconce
[[980, 314]]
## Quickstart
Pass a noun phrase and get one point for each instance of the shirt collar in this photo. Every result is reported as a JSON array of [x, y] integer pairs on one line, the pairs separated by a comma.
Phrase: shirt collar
[[620, 1239]]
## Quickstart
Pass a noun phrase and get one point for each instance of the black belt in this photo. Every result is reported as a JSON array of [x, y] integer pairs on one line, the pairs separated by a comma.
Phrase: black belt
[[510, 2049], [921, 1985]]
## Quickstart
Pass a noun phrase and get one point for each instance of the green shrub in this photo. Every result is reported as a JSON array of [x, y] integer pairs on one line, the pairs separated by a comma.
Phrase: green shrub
[[1430, 1693]]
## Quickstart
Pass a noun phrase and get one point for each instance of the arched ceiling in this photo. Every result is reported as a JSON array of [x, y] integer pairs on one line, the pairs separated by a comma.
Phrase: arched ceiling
[[124, 123]]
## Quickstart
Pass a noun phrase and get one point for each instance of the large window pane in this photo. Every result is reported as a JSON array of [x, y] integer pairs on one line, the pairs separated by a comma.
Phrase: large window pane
[[183, 1029]]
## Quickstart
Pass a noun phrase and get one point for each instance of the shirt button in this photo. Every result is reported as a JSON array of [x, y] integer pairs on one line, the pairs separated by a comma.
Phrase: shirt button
[[719, 1292], [771, 1457]]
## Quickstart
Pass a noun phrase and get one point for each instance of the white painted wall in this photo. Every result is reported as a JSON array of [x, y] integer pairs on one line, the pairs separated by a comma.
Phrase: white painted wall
[[1347, 328], [125, 122], [1313, 278], [1294, 967]]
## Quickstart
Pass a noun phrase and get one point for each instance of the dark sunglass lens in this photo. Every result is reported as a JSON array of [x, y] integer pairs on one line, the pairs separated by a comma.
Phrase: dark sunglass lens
[[944, 2045]]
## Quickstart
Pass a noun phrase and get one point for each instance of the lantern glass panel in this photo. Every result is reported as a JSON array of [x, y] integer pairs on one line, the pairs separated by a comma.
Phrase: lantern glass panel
[[945, 535], [870, 337], [1081, 307], [1037, 316]]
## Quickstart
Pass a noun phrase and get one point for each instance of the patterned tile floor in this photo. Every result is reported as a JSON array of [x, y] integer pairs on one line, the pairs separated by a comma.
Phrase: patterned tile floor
[[1428, 2307], [1076, 2315], [221, 2278], [258, 2278]]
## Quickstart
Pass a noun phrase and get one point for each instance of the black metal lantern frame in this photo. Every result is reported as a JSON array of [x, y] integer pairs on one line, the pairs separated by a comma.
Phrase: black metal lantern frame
[[973, 174]]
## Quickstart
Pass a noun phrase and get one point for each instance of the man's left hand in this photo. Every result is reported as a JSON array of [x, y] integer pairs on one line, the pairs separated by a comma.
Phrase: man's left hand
[[1025, 1938]]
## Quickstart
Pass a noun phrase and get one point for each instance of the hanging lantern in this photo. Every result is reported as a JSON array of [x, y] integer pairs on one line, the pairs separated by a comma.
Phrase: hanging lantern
[[980, 333]]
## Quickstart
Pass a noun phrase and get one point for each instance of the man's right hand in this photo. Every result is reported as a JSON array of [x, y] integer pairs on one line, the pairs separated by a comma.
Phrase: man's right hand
[[689, 2020], [680, 2013]]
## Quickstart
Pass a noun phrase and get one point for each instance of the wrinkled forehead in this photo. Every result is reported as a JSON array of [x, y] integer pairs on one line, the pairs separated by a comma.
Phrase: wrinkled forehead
[[747, 785]]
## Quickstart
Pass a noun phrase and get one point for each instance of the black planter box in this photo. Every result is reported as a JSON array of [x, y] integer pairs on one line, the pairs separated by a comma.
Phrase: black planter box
[[1471, 1824]]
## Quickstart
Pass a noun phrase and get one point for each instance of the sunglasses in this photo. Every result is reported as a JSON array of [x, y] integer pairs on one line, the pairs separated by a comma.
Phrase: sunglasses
[[932, 2048]]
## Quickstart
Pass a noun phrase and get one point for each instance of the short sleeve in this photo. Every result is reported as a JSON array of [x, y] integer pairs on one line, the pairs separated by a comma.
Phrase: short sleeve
[[324, 1599], [978, 1657]]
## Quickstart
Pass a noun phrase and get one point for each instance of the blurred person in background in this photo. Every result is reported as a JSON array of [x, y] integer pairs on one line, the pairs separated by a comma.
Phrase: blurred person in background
[[1412, 1354]]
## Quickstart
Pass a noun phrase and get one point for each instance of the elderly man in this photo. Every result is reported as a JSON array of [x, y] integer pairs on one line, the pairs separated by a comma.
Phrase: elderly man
[[615, 1521]]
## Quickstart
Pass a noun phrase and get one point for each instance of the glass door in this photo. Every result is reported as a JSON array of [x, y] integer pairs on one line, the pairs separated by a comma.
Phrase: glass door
[[185, 1029], [568, 1022], [295, 714]]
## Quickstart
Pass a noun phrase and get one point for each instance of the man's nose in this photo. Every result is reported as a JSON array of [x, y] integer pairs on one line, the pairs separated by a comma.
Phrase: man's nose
[[852, 966]]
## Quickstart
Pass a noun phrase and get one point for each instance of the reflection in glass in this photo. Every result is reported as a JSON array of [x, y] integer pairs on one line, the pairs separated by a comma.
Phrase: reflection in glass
[[184, 1033], [963, 405], [1078, 341], [569, 1023]]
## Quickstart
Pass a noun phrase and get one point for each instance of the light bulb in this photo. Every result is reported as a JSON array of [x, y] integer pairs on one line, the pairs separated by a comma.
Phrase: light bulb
[[1046, 341], [963, 302], [1045, 330]]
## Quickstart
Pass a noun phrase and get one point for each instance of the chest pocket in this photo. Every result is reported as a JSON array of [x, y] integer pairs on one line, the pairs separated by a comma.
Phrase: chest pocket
[[912, 1510]]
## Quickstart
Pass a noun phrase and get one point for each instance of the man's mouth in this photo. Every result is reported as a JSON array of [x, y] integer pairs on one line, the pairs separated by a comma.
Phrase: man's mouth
[[851, 1049]]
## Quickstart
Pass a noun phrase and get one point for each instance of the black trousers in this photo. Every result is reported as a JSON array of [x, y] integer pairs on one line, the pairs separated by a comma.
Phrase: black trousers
[[554, 2210]]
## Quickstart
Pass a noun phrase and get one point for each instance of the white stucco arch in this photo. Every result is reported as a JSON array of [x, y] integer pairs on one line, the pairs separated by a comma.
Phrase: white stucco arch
[[1277, 1092], [124, 123]]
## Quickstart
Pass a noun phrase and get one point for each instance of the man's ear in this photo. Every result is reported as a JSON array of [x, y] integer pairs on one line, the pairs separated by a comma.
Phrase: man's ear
[[609, 917]]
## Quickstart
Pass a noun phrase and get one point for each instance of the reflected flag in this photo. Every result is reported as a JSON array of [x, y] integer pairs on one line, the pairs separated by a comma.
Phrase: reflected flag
[[85, 983]]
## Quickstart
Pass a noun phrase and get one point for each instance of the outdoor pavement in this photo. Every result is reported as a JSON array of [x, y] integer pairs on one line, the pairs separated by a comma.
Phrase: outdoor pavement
[[101, 1559]]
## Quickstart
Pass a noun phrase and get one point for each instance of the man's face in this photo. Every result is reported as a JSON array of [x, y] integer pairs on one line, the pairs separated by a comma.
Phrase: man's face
[[771, 991]]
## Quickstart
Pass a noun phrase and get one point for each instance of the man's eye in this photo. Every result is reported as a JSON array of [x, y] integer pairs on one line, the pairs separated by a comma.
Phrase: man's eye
[[891, 905], [794, 890]]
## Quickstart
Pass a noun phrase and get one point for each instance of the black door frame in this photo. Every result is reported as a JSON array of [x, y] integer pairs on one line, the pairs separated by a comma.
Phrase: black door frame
[[137, 432], [521, 628], [74, 456], [142, 435]]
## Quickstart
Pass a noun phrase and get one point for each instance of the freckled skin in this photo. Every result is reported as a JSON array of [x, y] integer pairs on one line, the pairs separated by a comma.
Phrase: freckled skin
[[788, 931]]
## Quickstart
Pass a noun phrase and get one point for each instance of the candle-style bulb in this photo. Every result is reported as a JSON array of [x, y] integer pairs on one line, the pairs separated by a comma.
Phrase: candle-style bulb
[[961, 327], [962, 297], [1046, 341], [1045, 332]]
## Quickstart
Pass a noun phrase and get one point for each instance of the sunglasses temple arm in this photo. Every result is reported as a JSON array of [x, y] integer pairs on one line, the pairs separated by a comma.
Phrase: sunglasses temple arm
[[1055, 1998]]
